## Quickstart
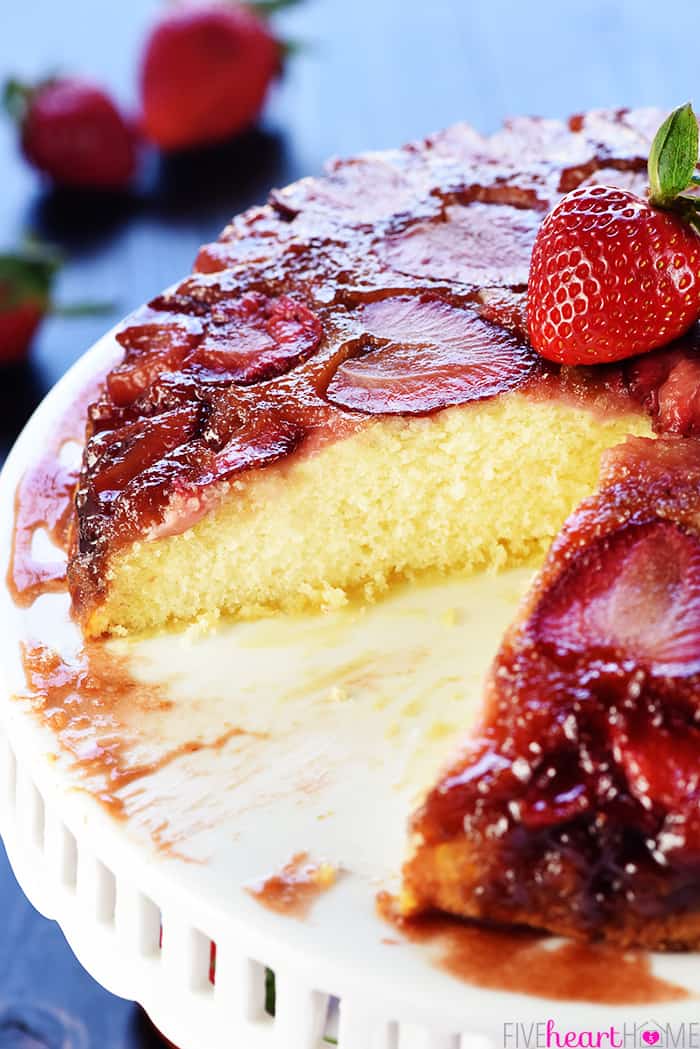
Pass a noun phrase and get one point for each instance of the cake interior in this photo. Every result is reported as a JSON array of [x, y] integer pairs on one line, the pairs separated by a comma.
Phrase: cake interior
[[456, 492]]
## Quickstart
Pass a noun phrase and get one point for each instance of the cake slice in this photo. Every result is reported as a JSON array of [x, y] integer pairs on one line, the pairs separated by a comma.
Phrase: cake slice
[[575, 806], [343, 394]]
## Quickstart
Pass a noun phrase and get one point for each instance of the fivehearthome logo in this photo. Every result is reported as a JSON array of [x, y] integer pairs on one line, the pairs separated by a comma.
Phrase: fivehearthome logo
[[652, 1034]]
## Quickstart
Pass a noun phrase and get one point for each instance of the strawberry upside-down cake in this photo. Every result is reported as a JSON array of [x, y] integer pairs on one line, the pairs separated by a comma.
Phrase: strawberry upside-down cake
[[344, 394], [575, 805]]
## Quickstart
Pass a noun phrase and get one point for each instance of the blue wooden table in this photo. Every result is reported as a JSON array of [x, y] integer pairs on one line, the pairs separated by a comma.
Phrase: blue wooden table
[[374, 73]]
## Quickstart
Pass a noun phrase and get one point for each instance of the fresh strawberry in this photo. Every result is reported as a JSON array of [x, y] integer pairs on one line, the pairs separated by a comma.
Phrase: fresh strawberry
[[72, 132], [17, 328], [613, 275], [25, 296], [205, 73]]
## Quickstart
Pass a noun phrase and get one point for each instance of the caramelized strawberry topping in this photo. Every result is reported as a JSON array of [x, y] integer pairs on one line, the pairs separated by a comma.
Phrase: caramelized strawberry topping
[[392, 284], [580, 798], [155, 342], [594, 606], [477, 244], [343, 194], [425, 355], [256, 338], [667, 383]]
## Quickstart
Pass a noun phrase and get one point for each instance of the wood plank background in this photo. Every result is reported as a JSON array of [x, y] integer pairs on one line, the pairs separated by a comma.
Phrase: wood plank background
[[374, 73]]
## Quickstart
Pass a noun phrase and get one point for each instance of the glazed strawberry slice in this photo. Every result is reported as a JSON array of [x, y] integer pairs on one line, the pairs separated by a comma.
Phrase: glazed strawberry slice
[[425, 354], [667, 463], [116, 457], [660, 761], [341, 196], [478, 244], [155, 342], [678, 399], [256, 442], [633, 595], [256, 338], [256, 235], [153, 331]]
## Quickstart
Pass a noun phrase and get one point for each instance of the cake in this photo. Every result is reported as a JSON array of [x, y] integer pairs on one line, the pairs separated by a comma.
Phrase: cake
[[575, 806], [343, 394]]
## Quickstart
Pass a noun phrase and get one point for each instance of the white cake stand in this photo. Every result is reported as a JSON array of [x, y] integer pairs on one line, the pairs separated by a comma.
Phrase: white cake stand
[[360, 709]]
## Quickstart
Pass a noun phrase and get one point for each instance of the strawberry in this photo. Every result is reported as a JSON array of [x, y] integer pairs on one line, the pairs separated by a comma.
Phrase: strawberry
[[613, 275], [25, 293], [206, 71], [72, 132]]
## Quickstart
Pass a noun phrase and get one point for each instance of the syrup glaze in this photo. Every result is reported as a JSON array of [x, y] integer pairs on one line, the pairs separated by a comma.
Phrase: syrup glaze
[[521, 961], [45, 500], [293, 890], [86, 704]]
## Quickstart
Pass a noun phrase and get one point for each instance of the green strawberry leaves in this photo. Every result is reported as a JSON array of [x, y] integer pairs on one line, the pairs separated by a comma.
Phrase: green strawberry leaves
[[673, 157], [27, 276], [271, 7], [16, 98]]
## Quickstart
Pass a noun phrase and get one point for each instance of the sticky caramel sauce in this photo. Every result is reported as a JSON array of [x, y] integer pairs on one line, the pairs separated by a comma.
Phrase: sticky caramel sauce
[[294, 889], [86, 703], [522, 961], [44, 500]]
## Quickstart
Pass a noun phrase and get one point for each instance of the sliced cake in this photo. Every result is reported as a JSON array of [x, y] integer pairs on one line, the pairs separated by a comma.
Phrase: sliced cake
[[575, 807], [344, 394]]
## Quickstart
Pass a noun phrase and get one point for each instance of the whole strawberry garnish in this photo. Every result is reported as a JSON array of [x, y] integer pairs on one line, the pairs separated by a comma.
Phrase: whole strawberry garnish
[[73, 132], [613, 275], [206, 71]]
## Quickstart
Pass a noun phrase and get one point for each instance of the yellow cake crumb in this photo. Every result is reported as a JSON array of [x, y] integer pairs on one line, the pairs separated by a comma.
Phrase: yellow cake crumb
[[461, 491]]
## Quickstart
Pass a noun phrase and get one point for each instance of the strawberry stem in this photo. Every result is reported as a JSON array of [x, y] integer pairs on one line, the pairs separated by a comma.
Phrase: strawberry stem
[[16, 98], [289, 48], [271, 7]]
